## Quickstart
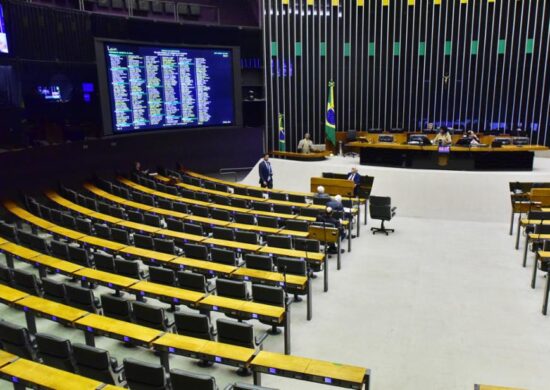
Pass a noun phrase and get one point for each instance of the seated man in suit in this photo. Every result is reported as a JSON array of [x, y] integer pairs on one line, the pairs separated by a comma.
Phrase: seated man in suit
[[336, 203], [329, 218], [266, 173], [355, 177], [321, 194]]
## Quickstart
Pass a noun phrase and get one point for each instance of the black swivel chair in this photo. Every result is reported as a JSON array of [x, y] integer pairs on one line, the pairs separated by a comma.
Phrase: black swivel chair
[[192, 281], [145, 376], [54, 290], [59, 249], [162, 275], [189, 380], [296, 198], [174, 224], [97, 364], [120, 235], [104, 262], [151, 316], [296, 225], [165, 245], [16, 339], [5, 275], [135, 216], [80, 256], [261, 262], [180, 207], [116, 307], [194, 325], [151, 219], [247, 219], [293, 266], [26, 281], [232, 289], [82, 298], [269, 295], [380, 208], [265, 221], [130, 269], [55, 352], [279, 241], [84, 226], [195, 251], [143, 241], [246, 236], [222, 215], [102, 231], [223, 233], [192, 228], [223, 256], [283, 209]]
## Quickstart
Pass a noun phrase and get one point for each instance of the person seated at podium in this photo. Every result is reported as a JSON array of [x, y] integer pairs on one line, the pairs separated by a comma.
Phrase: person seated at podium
[[355, 177], [429, 128], [321, 194], [474, 139], [328, 218], [306, 144], [443, 138]]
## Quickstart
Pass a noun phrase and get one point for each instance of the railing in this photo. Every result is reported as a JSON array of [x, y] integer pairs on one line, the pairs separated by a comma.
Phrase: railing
[[234, 171]]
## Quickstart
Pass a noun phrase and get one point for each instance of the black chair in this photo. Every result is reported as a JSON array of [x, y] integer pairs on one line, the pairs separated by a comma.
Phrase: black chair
[[293, 266], [116, 307], [136, 196], [68, 221], [120, 235], [26, 281], [296, 225], [202, 196], [277, 196], [310, 212], [184, 193], [246, 237], [221, 187], [247, 219], [261, 206], [296, 198], [102, 231], [55, 352], [223, 233], [195, 251], [240, 190], [161, 275], [261, 262], [194, 325], [96, 363], [151, 316], [267, 221], [380, 208], [104, 262], [5, 275], [279, 241], [232, 289], [135, 216], [16, 339], [117, 212], [269, 295], [320, 201], [91, 204], [143, 241], [103, 207], [130, 269], [222, 215], [44, 212], [151, 219], [82, 298], [84, 226], [219, 199], [192, 228], [148, 200], [165, 245], [174, 224], [192, 281], [59, 249], [283, 209], [223, 256], [200, 211], [79, 256], [165, 203], [255, 193], [239, 203], [8, 231], [209, 185], [54, 290], [189, 380], [351, 136], [180, 207]]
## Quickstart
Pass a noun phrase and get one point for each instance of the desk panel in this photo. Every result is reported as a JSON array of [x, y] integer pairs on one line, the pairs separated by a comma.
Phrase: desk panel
[[120, 330]]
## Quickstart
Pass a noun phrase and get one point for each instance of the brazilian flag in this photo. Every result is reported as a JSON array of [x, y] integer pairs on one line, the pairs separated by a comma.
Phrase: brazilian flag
[[330, 122], [282, 143]]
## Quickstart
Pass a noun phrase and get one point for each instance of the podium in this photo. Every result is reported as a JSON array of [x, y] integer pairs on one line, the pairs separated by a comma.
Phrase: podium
[[342, 187]]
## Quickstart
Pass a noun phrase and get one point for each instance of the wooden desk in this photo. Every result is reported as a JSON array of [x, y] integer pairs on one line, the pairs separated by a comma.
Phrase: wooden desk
[[94, 324], [490, 387], [57, 265], [544, 258], [232, 244], [107, 279], [316, 257], [6, 357], [273, 278], [51, 310], [315, 156], [310, 370], [202, 266], [147, 254], [101, 243], [169, 294], [64, 232], [30, 373], [137, 227], [333, 186], [9, 295], [180, 235], [11, 250]]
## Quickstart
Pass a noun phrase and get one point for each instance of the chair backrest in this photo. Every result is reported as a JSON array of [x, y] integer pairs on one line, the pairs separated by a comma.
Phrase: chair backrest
[[300, 226], [351, 135], [79, 255], [54, 290], [296, 198], [116, 307], [268, 294], [95, 363], [267, 221], [103, 207], [261, 262], [127, 268], [542, 215], [55, 351], [82, 298], [231, 288], [164, 245], [200, 211], [277, 195], [68, 221], [240, 203], [219, 199], [148, 200], [247, 219], [25, 238], [247, 237], [117, 211], [8, 231], [223, 256], [175, 224], [308, 245], [192, 228], [193, 325], [380, 207], [262, 206], [223, 233], [136, 195], [27, 282], [84, 226], [195, 251], [104, 262], [5, 275], [320, 201], [135, 216], [283, 209], [102, 231], [292, 266], [222, 215], [151, 219], [542, 229], [380, 201], [279, 241], [148, 315], [240, 190], [236, 333], [120, 235], [91, 204], [202, 196], [310, 212], [44, 211], [16, 339], [191, 281], [143, 241], [59, 249], [165, 203], [189, 380], [162, 275]]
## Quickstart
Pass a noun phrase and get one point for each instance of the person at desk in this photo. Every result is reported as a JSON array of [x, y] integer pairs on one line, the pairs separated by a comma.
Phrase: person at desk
[[321, 194], [328, 218], [266, 173], [138, 170], [336, 203], [443, 137], [474, 139], [355, 177], [306, 145]]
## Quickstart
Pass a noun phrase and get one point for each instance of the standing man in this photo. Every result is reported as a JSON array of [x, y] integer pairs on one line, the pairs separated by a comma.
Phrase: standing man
[[355, 177], [266, 173], [305, 145]]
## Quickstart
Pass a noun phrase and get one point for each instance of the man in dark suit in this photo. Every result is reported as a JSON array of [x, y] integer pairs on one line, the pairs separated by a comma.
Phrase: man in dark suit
[[329, 218], [266, 173], [355, 177]]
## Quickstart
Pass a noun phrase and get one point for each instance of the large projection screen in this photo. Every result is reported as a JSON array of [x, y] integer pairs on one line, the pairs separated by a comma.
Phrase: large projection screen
[[151, 87]]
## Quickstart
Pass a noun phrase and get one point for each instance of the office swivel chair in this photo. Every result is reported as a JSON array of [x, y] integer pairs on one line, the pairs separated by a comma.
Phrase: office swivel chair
[[380, 208]]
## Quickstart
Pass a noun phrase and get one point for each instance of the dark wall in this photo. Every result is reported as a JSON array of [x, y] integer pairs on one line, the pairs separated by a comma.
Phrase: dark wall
[[479, 65]]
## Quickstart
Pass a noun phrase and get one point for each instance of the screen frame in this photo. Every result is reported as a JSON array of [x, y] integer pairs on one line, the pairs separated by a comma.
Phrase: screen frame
[[105, 100], [8, 33]]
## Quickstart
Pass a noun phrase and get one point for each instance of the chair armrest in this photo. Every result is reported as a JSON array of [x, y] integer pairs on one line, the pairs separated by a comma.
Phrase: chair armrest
[[228, 387], [290, 300], [258, 340], [144, 275], [210, 289], [393, 209]]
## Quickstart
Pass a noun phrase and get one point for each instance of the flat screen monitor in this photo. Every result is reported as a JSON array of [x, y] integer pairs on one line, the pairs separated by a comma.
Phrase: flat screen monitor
[[4, 49], [151, 87], [51, 93]]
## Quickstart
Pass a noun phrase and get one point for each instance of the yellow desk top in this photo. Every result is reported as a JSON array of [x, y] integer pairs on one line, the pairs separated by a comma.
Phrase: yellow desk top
[[147, 253], [281, 362], [294, 233], [116, 199], [228, 351], [204, 264], [19, 251], [181, 235], [48, 377], [73, 234], [106, 277], [170, 213], [210, 221], [51, 308], [53, 262], [138, 226], [244, 306], [167, 291], [177, 341], [9, 294], [6, 357], [2, 241], [316, 256], [122, 328], [228, 303], [490, 387], [233, 244], [105, 217], [271, 276], [100, 242], [254, 228]]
